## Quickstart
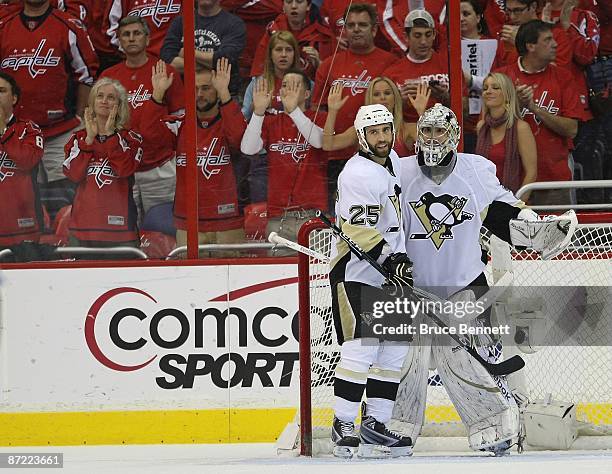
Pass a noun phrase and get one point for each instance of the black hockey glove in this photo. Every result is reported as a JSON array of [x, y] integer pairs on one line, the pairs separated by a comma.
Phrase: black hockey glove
[[399, 267]]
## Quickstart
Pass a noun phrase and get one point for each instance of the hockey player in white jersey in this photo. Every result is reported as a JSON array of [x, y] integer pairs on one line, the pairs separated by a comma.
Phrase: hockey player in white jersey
[[368, 211], [446, 197]]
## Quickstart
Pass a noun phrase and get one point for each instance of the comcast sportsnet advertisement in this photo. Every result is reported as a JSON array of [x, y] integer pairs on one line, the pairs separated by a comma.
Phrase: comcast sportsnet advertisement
[[153, 337]]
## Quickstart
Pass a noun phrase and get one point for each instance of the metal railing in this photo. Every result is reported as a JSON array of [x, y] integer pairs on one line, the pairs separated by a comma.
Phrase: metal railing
[[587, 184], [220, 247]]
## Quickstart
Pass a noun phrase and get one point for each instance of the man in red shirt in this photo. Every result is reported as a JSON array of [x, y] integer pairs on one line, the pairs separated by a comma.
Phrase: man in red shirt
[[315, 38], [520, 12], [157, 13], [297, 167], [393, 15], [21, 149], [603, 10], [422, 65], [220, 129], [48, 51], [550, 105], [155, 185], [354, 68]]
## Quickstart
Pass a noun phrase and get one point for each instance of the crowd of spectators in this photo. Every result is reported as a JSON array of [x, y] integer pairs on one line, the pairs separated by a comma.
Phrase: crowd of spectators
[[92, 144]]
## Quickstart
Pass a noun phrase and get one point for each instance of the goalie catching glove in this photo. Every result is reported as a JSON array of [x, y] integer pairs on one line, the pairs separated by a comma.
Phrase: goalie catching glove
[[399, 268], [547, 235]]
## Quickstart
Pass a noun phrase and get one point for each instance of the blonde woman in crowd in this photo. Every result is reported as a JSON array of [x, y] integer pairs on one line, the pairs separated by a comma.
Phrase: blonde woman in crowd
[[503, 137], [381, 90], [101, 159]]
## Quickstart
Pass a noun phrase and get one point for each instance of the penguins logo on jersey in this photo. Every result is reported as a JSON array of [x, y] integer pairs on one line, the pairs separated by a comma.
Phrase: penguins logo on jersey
[[438, 215]]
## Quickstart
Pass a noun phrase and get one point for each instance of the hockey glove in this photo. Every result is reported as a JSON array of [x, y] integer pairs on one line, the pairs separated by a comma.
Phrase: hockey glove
[[399, 268]]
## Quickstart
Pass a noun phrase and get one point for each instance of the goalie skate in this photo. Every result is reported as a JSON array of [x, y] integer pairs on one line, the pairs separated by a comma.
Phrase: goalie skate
[[377, 441], [344, 438]]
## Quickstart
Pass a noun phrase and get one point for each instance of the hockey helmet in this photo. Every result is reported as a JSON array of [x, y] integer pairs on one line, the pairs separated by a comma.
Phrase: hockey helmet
[[369, 115], [438, 134]]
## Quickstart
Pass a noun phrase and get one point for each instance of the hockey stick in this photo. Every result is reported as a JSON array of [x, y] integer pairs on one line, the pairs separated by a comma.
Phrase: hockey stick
[[505, 367], [277, 239]]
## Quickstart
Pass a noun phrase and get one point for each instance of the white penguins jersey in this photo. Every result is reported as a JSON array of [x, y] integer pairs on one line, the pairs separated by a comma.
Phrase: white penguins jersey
[[367, 210], [442, 221]]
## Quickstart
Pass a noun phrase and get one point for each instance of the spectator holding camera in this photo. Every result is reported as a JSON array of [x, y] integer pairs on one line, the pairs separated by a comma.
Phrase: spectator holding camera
[[422, 65], [101, 159]]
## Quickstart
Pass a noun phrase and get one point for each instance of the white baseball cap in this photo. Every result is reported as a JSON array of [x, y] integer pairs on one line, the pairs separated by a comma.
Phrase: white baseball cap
[[419, 15]]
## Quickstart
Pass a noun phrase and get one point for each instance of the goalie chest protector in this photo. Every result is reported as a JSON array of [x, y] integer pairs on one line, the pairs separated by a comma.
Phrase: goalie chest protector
[[442, 221]]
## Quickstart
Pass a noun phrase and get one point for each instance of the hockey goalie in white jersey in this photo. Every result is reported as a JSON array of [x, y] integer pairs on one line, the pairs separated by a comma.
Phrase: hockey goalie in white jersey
[[446, 198]]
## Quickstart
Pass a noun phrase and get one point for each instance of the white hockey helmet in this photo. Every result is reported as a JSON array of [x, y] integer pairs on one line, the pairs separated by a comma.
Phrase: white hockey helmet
[[435, 148], [368, 115]]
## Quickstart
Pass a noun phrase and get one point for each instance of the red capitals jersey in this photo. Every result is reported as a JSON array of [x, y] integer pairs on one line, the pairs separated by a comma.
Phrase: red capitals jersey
[[317, 35], [43, 61], [103, 207], [583, 33], [495, 16], [137, 82], [157, 13], [603, 10], [354, 72], [297, 172], [21, 149], [554, 92], [217, 192], [407, 70], [97, 24], [77, 8]]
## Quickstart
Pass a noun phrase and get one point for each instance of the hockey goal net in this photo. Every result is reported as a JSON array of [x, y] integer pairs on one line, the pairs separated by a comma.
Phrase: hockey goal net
[[580, 374]]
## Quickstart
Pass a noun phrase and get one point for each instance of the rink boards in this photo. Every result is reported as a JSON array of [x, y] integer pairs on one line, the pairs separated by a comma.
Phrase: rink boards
[[166, 354]]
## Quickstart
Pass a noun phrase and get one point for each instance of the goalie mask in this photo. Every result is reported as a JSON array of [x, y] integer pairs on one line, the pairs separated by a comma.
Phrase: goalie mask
[[369, 115], [438, 135]]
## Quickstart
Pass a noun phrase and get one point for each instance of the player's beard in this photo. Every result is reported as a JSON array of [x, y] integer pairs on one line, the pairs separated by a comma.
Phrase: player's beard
[[380, 153]]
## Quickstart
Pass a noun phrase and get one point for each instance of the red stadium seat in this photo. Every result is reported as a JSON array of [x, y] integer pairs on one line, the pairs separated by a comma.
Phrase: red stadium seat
[[156, 244], [255, 220]]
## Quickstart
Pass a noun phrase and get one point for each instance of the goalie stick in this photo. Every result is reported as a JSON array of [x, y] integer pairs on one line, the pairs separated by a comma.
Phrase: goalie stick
[[505, 367]]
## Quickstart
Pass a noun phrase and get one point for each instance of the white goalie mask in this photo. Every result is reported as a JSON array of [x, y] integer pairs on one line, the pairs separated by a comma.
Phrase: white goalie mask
[[369, 115], [438, 134]]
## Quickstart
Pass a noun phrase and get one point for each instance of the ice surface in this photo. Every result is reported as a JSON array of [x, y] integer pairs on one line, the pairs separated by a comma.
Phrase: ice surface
[[262, 459]]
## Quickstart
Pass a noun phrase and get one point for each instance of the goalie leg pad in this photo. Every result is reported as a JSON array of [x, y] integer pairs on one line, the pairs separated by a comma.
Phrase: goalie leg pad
[[409, 409], [484, 403]]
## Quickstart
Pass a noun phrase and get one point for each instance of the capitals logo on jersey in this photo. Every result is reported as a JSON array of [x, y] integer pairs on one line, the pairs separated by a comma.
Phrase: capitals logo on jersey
[[103, 173], [34, 60], [160, 12], [209, 164], [438, 215], [291, 147], [138, 97], [6, 164], [356, 85]]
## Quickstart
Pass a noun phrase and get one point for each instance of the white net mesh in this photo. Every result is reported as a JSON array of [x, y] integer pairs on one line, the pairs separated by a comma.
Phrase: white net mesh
[[574, 368]]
